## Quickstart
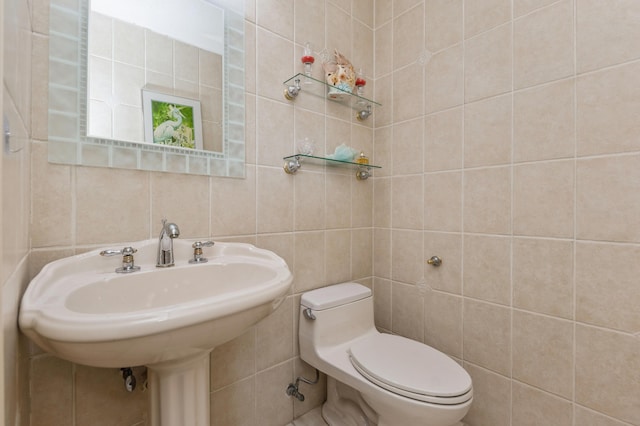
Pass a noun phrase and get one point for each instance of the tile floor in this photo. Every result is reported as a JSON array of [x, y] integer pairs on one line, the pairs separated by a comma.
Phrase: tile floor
[[312, 418]]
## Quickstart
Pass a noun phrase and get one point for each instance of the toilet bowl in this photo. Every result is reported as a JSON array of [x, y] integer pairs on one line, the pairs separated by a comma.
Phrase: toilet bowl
[[375, 378]]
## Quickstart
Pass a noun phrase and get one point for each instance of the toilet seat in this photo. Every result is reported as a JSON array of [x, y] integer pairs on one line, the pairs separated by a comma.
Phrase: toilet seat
[[418, 371]]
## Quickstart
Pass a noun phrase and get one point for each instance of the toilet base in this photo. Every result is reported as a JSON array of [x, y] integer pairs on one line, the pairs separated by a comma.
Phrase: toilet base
[[345, 406]]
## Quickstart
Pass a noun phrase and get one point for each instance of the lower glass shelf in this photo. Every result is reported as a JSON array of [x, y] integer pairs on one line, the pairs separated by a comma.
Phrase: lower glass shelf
[[293, 162]]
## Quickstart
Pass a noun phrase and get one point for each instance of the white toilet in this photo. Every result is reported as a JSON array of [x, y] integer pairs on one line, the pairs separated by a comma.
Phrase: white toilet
[[375, 378]]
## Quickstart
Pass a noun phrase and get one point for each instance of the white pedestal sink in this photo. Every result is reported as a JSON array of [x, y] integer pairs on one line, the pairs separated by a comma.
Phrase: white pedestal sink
[[168, 319]]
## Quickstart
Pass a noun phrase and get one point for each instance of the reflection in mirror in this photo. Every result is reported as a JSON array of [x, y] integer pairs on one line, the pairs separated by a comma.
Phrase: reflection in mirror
[[104, 56]]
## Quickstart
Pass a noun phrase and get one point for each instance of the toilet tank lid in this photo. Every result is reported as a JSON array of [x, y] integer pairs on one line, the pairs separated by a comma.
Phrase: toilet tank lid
[[334, 295]]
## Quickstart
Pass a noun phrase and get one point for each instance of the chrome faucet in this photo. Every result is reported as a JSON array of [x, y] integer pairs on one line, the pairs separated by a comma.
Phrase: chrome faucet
[[165, 244]]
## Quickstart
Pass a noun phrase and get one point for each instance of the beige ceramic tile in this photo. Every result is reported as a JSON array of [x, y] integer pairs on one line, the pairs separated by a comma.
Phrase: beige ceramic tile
[[309, 201], [491, 398], [487, 132], [383, 50], [309, 27], [337, 20], [487, 335], [361, 203], [543, 276], [234, 360], [308, 269], [384, 94], [407, 147], [361, 259], [544, 122], [607, 33], [281, 244], [182, 199], [250, 65], [443, 323], [383, 12], [487, 64], [606, 199], [99, 390], [270, 69], [158, 53], [443, 201], [481, 16], [337, 256], [51, 202], [273, 406], [406, 202], [538, 189], [608, 373], [532, 407], [444, 80], [543, 45], [40, 88], [408, 37], [586, 417], [382, 303], [314, 395], [128, 43], [230, 196], [543, 352], [276, 16], [487, 267], [51, 388], [608, 103], [487, 200], [408, 98], [607, 293], [274, 140], [382, 202], [448, 247], [382, 253], [274, 191], [124, 215], [443, 140], [407, 311], [362, 57], [401, 6], [229, 405], [521, 7], [274, 336], [363, 11], [337, 207], [407, 256], [444, 23]]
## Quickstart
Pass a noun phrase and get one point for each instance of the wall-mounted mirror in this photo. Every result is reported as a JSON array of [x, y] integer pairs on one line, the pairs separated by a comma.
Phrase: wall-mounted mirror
[[149, 85]]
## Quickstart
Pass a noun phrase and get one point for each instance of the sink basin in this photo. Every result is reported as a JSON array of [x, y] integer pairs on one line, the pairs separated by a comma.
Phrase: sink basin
[[81, 310]]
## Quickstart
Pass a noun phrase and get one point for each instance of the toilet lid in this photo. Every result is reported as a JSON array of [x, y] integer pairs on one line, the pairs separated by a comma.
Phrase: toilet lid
[[410, 368]]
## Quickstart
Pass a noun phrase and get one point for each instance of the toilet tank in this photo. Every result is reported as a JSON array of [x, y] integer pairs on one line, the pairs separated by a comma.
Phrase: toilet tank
[[342, 313]]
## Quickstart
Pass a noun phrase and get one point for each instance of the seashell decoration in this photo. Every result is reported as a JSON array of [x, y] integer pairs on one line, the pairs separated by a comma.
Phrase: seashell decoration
[[339, 74]]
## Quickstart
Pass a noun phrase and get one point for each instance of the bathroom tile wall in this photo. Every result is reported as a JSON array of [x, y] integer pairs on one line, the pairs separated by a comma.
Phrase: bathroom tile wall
[[526, 118], [15, 192], [320, 220], [117, 52]]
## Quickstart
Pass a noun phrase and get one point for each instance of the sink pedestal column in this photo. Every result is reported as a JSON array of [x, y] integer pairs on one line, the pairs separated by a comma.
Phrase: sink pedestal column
[[180, 391]]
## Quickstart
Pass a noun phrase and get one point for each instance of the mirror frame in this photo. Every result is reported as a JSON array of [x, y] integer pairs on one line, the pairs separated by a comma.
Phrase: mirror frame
[[68, 140]]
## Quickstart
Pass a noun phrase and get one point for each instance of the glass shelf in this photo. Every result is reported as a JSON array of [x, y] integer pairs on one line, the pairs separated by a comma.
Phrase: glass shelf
[[320, 88], [330, 160], [293, 162]]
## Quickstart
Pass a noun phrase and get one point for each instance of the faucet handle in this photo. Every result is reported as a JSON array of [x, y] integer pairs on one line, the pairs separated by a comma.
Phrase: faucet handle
[[127, 259], [125, 251], [197, 251]]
